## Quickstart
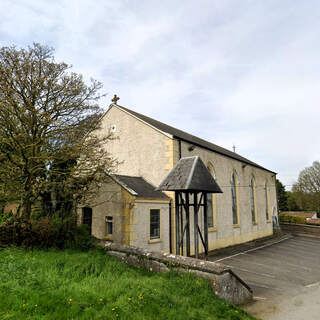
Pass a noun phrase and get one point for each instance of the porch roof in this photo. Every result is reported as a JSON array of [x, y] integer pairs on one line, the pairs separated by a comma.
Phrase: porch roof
[[139, 187], [190, 174]]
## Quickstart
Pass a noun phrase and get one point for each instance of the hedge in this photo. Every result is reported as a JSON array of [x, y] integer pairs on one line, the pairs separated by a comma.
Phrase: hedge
[[292, 219]]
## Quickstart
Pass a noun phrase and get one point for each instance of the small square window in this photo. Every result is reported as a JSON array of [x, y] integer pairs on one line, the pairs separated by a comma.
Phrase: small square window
[[155, 224], [109, 225], [113, 128]]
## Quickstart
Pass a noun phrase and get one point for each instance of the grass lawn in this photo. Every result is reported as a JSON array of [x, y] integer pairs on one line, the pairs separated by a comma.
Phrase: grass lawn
[[38, 284]]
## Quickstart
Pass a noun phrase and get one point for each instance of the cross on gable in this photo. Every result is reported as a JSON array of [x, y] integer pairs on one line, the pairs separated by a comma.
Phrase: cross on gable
[[115, 99]]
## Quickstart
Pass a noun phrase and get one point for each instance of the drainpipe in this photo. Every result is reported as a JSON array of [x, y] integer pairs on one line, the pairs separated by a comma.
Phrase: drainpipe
[[170, 226]]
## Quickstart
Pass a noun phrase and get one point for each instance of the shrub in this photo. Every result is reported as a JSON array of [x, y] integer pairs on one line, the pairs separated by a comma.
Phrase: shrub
[[82, 238], [4, 217], [292, 219], [45, 233]]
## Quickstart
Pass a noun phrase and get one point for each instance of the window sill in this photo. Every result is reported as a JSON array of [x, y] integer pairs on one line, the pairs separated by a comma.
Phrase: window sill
[[236, 226], [109, 238], [154, 240], [269, 221], [255, 223], [212, 229]]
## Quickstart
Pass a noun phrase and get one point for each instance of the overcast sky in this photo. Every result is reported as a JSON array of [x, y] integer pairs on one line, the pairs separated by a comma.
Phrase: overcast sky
[[238, 72]]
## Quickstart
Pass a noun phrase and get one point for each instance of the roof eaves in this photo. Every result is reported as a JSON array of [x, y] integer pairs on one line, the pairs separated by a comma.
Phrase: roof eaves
[[165, 196], [225, 155], [148, 124], [173, 135], [131, 191], [156, 200]]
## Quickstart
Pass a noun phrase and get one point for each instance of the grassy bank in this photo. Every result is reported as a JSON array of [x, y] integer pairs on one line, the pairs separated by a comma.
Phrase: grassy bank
[[91, 285]]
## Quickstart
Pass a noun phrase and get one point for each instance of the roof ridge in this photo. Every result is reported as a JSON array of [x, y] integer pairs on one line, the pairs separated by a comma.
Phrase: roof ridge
[[191, 171], [185, 136]]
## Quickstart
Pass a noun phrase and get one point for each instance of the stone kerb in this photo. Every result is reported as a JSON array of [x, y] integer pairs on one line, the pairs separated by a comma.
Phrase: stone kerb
[[224, 282]]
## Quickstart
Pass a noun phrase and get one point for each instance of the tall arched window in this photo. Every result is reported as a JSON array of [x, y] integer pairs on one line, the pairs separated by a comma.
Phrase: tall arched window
[[211, 202], [234, 194], [253, 200], [266, 195]]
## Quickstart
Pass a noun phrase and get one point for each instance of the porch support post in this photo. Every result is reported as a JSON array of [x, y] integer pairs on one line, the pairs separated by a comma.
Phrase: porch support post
[[205, 216], [181, 225], [195, 227], [188, 225], [176, 196]]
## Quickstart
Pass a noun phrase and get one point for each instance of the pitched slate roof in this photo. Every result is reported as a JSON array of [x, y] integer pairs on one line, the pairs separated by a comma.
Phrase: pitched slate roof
[[179, 134], [191, 174], [139, 187]]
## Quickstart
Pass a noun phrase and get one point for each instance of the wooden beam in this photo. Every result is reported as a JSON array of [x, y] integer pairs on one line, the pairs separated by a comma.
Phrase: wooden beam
[[176, 197], [181, 228], [195, 226], [205, 217], [188, 225]]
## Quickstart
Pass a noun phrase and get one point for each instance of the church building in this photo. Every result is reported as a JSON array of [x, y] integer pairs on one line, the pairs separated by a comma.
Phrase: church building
[[130, 211]]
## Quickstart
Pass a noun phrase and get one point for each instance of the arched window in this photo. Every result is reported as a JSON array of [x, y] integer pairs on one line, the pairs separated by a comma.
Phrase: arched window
[[234, 194], [266, 195], [253, 200], [211, 202]]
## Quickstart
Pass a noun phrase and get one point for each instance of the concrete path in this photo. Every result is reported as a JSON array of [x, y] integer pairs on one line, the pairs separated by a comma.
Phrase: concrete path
[[284, 276]]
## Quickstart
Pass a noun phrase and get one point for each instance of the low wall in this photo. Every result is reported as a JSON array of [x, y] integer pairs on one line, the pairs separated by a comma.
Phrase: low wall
[[224, 282], [302, 229]]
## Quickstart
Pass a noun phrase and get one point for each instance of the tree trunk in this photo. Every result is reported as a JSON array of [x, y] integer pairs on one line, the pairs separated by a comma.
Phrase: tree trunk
[[26, 208]]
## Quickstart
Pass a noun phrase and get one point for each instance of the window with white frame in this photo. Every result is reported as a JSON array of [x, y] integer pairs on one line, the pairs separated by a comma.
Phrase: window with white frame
[[109, 226], [154, 224]]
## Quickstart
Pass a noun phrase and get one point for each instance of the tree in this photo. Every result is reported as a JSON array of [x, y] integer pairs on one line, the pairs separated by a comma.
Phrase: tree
[[49, 150], [282, 196], [307, 189], [292, 201]]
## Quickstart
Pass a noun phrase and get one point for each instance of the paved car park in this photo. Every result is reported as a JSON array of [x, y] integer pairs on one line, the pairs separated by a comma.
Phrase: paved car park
[[284, 276]]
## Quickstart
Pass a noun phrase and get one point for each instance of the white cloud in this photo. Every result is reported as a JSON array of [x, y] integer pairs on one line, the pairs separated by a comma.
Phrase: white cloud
[[233, 72]]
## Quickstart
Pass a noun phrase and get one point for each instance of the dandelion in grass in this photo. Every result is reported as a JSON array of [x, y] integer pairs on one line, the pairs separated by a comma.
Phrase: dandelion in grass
[[113, 309], [129, 299], [100, 299]]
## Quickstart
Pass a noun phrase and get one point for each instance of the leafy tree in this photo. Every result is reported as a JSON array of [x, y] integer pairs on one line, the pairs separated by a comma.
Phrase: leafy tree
[[292, 201], [48, 148], [307, 189], [282, 196]]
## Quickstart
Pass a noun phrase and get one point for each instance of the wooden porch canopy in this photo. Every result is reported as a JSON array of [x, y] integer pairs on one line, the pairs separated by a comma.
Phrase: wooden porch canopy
[[190, 179]]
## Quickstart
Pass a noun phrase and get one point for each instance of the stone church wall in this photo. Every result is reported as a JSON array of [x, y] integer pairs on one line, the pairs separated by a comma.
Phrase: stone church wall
[[141, 150], [225, 233]]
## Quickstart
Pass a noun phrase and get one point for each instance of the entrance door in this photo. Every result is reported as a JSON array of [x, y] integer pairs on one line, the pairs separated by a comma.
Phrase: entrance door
[[87, 217]]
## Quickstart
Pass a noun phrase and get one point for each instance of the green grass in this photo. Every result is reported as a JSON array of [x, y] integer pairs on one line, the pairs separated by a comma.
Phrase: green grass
[[38, 284]]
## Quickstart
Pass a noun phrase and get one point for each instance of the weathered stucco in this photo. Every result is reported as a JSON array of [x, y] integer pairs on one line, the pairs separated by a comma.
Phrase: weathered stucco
[[142, 226], [141, 150], [108, 202], [131, 218], [147, 152], [225, 233]]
